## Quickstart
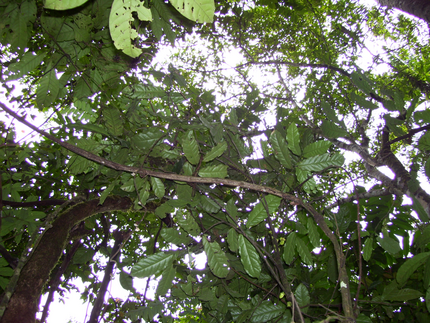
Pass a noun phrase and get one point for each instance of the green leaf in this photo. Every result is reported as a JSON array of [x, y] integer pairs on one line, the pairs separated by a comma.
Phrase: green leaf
[[359, 100], [316, 148], [266, 312], [410, 266], [151, 265], [231, 211], [209, 205], [302, 296], [63, 4], [314, 235], [89, 127], [289, 248], [303, 251], [403, 295], [166, 280], [233, 240], [48, 89], [126, 281], [175, 236], [422, 214], [217, 260], [28, 62], [427, 168], [331, 130], [146, 139], [120, 24], [114, 122], [106, 192], [367, 249], [215, 152], [218, 171], [389, 244], [201, 11], [281, 150], [259, 212], [329, 112], [362, 82], [191, 148], [361, 318], [293, 138], [187, 222], [427, 298], [249, 257], [158, 187], [320, 162]]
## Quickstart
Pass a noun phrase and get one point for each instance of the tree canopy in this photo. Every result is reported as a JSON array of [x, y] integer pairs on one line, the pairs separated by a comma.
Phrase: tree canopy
[[284, 140]]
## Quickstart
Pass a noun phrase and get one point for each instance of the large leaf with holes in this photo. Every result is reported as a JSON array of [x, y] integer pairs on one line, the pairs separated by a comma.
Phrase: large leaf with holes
[[197, 10], [120, 24]]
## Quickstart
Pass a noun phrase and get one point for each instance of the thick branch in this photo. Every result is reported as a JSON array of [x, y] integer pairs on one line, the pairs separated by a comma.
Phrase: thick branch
[[23, 304], [147, 172]]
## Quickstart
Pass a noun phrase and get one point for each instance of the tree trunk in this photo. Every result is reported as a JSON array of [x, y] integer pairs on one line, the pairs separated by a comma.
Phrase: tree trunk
[[24, 302], [417, 8]]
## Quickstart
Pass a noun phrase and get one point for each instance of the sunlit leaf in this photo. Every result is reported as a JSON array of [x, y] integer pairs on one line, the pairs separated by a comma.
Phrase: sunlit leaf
[[120, 20], [63, 4], [197, 10]]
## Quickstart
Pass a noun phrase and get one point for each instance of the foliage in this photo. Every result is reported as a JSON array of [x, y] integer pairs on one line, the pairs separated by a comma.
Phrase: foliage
[[270, 166]]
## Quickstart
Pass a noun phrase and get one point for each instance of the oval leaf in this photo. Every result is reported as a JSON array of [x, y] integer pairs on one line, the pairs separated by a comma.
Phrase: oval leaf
[[249, 257], [217, 260], [410, 266], [293, 138], [219, 171], [191, 148], [216, 151], [281, 150], [151, 265], [63, 4]]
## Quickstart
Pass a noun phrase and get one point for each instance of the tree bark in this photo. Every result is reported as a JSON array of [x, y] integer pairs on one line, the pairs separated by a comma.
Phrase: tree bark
[[417, 8], [24, 302]]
